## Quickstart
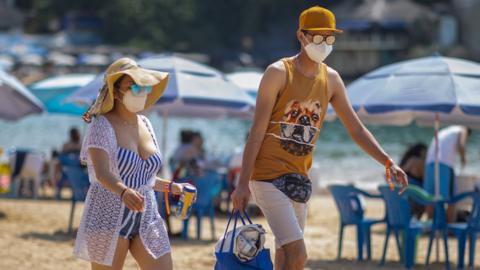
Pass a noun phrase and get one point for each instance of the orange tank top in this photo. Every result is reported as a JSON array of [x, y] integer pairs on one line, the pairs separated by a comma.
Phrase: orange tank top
[[294, 127]]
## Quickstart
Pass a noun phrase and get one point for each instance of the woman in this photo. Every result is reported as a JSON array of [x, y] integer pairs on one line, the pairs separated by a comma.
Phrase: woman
[[123, 158]]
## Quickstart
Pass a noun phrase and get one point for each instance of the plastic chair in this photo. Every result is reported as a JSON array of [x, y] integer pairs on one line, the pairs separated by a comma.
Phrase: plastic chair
[[401, 220], [351, 209], [208, 187], [78, 179], [462, 231]]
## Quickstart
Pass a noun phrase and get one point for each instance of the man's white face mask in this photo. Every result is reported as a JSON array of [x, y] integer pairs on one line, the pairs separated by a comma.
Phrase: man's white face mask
[[318, 52]]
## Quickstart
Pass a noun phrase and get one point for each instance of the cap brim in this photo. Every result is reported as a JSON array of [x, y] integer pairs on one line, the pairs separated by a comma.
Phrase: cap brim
[[324, 29], [158, 80]]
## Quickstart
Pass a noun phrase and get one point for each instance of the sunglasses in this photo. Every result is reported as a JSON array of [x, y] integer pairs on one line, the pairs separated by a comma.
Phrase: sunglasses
[[136, 89], [318, 39]]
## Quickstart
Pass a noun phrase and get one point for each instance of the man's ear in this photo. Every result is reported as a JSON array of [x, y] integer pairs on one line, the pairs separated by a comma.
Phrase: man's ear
[[301, 38]]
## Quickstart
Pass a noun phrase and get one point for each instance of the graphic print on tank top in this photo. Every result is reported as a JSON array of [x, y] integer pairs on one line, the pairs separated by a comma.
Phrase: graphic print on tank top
[[300, 123]]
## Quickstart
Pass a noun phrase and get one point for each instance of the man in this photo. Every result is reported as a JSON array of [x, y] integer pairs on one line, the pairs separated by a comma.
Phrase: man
[[291, 105], [451, 140]]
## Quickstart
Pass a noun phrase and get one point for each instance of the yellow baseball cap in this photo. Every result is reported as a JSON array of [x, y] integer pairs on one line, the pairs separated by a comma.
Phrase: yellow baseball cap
[[318, 18]]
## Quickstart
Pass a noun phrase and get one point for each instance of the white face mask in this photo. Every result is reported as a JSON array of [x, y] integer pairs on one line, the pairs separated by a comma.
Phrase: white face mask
[[134, 103], [319, 52]]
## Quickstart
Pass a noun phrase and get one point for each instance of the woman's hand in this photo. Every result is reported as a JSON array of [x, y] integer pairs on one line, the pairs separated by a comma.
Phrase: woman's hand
[[163, 185], [133, 200]]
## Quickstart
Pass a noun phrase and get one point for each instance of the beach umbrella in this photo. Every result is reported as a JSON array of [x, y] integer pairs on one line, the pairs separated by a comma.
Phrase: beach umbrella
[[15, 99], [249, 81], [61, 59], [93, 59], [52, 92], [6, 62], [193, 90], [427, 90]]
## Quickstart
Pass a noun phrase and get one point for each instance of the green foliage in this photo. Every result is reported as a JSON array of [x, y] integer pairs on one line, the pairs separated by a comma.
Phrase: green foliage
[[177, 25]]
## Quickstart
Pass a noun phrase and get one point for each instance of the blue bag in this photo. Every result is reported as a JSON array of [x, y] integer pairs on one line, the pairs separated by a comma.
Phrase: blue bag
[[228, 260]]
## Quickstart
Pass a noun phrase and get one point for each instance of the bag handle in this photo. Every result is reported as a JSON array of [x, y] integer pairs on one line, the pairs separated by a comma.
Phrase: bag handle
[[237, 215], [226, 230], [233, 232]]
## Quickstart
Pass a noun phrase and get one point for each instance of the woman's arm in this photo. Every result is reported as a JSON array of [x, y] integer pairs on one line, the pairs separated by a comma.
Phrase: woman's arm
[[132, 199], [357, 131], [162, 185], [272, 82]]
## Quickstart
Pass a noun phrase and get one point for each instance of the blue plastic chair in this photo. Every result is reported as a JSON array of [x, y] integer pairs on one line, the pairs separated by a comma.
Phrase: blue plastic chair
[[208, 187], [400, 220], [78, 179], [462, 231], [351, 209]]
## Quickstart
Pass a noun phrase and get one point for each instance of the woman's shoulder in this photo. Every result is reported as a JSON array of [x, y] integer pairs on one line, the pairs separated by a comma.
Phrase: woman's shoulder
[[101, 127], [146, 120]]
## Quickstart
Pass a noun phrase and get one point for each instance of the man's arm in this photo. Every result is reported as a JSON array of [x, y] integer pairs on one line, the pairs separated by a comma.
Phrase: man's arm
[[357, 131], [272, 82]]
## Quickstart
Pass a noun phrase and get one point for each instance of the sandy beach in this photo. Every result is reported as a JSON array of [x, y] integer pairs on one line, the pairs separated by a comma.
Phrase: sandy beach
[[33, 236]]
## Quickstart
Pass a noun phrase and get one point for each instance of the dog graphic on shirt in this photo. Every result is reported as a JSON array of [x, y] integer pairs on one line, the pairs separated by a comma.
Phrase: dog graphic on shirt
[[299, 126]]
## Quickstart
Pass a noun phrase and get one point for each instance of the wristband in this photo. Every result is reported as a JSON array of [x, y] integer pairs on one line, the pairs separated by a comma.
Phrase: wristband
[[123, 192], [388, 165]]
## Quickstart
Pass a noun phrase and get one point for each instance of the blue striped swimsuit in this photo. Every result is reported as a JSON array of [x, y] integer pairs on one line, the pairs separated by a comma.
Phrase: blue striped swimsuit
[[135, 173]]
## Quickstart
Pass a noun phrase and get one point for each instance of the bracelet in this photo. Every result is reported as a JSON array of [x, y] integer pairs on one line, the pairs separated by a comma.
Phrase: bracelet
[[123, 192], [388, 165]]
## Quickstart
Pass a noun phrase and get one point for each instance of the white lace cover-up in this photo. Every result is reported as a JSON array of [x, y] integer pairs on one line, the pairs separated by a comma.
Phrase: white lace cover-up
[[102, 216]]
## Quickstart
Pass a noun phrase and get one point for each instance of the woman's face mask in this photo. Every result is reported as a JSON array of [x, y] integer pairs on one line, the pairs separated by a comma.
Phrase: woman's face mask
[[134, 103], [134, 99]]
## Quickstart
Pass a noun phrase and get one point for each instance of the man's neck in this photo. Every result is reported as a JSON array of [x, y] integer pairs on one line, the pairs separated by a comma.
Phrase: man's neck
[[306, 65]]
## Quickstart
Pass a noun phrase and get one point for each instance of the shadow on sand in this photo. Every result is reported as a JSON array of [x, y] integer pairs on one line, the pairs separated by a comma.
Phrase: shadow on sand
[[345, 264], [57, 236]]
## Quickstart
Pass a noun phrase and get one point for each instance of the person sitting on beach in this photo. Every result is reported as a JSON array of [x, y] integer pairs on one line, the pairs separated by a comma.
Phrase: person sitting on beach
[[189, 157], [181, 153], [123, 159], [451, 140], [292, 102], [413, 164], [74, 143]]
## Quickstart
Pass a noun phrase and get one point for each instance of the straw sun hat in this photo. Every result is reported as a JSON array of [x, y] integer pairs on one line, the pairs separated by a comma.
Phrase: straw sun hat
[[141, 76]]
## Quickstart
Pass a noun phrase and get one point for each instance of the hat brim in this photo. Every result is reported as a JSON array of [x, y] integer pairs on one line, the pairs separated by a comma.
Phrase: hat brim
[[141, 76], [324, 29]]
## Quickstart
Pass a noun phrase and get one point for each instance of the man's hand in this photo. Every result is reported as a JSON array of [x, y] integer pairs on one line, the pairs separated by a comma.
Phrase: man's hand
[[240, 197], [400, 177]]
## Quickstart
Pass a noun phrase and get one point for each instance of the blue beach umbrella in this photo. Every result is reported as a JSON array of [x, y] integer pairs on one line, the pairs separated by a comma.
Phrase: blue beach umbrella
[[419, 90], [15, 99], [193, 90], [52, 92], [427, 90], [249, 81]]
